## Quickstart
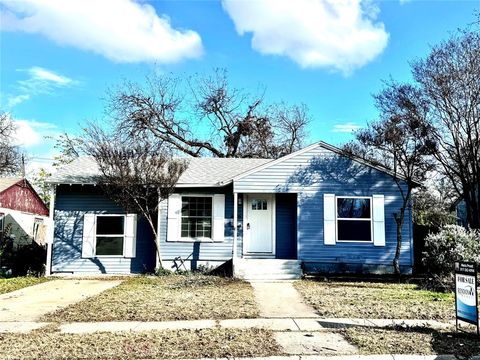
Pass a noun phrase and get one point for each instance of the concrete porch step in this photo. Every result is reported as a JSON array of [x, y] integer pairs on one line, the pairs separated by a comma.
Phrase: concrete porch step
[[268, 269]]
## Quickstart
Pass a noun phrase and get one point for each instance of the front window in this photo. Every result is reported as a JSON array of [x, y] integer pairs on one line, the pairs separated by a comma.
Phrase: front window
[[354, 219], [196, 217], [110, 233]]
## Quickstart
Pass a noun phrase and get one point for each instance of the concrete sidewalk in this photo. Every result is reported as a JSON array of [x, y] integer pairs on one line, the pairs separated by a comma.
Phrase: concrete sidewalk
[[30, 303], [284, 325], [279, 299], [355, 357]]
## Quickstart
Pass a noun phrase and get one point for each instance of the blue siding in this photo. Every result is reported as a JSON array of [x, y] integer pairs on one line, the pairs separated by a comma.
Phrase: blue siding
[[319, 171], [71, 203], [286, 226], [203, 251]]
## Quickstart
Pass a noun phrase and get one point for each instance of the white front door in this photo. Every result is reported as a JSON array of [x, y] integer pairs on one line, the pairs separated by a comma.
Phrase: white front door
[[259, 224]]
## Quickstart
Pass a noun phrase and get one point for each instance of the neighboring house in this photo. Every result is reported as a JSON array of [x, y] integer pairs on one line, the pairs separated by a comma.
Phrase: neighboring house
[[460, 208], [23, 214], [315, 208]]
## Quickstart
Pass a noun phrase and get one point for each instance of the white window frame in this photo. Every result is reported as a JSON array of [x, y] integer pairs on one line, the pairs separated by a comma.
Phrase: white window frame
[[112, 235], [196, 239], [354, 219]]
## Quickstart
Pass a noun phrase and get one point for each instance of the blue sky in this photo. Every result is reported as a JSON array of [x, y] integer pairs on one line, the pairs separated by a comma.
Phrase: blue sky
[[59, 58]]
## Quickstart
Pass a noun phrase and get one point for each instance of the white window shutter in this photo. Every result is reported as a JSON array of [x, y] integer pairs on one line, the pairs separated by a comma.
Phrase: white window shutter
[[329, 219], [378, 220], [174, 217], [129, 244], [218, 217], [88, 244]]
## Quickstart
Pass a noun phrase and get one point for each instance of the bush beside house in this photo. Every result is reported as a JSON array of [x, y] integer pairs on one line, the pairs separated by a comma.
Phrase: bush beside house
[[452, 243]]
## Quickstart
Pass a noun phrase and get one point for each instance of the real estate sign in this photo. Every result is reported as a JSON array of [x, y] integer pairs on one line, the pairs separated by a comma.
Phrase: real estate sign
[[466, 299]]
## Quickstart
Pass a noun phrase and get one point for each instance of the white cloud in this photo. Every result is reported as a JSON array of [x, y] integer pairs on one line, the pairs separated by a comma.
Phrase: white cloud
[[120, 30], [42, 81], [15, 100], [346, 128], [42, 74], [39, 81], [336, 34], [32, 133]]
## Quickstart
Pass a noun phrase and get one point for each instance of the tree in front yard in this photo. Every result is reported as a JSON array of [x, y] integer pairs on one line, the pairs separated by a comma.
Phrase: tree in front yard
[[401, 140], [449, 78], [10, 158], [206, 116], [135, 173]]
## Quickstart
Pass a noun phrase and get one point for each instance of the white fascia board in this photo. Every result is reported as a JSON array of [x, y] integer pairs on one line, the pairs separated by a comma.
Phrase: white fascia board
[[190, 185]]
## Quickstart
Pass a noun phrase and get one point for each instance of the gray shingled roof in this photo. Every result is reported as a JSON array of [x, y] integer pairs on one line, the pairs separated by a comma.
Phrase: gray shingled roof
[[200, 171], [6, 183]]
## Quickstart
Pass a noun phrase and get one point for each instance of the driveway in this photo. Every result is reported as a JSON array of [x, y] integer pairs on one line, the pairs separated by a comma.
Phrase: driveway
[[30, 303]]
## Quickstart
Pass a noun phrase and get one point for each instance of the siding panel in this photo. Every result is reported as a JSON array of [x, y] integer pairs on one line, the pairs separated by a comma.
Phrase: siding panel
[[203, 251], [319, 171], [71, 203]]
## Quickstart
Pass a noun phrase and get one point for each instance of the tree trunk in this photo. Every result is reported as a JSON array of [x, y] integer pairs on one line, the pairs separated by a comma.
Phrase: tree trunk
[[155, 237], [399, 218]]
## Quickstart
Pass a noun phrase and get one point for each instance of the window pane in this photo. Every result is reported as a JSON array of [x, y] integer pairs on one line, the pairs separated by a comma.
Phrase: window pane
[[196, 217], [196, 227], [264, 202], [353, 208], [110, 225], [109, 245], [196, 206], [354, 230]]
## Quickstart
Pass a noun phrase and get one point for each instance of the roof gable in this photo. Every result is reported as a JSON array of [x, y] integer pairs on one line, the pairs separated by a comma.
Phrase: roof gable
[[18, 194], [324, 145]]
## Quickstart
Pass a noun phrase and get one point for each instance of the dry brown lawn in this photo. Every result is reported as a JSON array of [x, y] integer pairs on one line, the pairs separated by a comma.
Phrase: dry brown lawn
[[418, 341], [164, 298], [376, 300], [180, 344]]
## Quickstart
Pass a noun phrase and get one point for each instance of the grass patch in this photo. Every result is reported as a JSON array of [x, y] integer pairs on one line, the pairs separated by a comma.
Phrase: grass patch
[[418, 341], [376, 300], [16, 283], [181, 344], [165, 298]]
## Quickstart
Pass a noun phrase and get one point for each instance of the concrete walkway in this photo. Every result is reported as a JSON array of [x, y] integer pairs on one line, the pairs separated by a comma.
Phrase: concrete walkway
[[30, 303], [287, 325], [355, 357], [279, 299]]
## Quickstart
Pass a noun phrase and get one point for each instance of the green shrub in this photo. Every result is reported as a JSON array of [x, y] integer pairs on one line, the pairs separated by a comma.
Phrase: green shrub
[[452, 243]]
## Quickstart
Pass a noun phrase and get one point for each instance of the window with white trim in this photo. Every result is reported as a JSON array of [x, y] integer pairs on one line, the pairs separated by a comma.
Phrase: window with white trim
[[196, 217], [109, 235], [354, 219]]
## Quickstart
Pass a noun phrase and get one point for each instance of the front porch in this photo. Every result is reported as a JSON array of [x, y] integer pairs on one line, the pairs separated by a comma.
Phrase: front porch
[[267, 269], [267, 231]]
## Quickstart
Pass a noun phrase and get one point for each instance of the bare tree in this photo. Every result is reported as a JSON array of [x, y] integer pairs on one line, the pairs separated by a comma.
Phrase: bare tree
[[69, 147], [450, 81], [401, 140], [219, 120], [10, 157], [136, 176]]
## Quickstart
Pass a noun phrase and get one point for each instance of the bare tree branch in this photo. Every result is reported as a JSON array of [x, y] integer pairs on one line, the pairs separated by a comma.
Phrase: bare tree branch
[[137, 177], [10, 157]]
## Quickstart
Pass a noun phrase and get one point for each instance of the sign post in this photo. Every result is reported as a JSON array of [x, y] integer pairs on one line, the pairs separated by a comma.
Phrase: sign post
[[466, 298]]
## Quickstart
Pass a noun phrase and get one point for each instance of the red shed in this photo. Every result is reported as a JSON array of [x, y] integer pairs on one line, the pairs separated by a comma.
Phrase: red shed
[[18, 194]]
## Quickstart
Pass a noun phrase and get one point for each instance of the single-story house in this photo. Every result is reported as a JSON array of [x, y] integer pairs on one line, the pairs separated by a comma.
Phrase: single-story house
[[23, 214], [315, 210]]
